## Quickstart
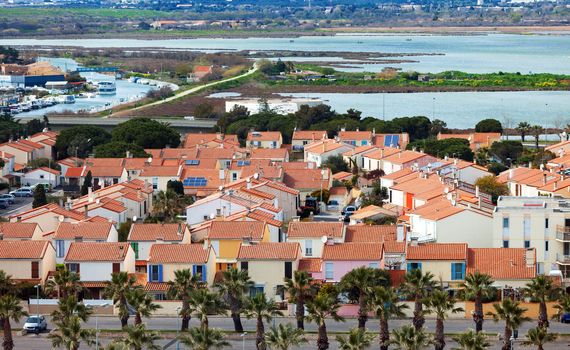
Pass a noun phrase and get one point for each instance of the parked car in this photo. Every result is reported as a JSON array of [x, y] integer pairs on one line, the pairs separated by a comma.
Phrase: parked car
[[3, 205], [35, 324], [47, 186], [333, 205], [565, 318], [23, 192], [10, 198], [347, 212], [4, 201]]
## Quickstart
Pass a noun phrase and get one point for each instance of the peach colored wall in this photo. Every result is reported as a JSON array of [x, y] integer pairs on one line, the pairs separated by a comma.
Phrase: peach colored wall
[[532, 311]]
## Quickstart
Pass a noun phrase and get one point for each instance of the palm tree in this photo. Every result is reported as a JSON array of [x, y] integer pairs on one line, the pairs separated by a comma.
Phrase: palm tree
[[68, 307], [386, 304], [70, 335], [300, 290], [142, 303], [536, 131], [181, 288], [417, 286], [408, 338], [441, 303], [284, 337], [323, 306], [472, 340], [204, 302], [63, 284], [138, 337], [478, 286], [360, 282], [6, 283], [199, 338], [542, 289], [513, 315], [358, 339], [235, 283], [523, 128], [563, 306], [118, 289], [10, 309], [260, 308], [539, 336], [167, 204]]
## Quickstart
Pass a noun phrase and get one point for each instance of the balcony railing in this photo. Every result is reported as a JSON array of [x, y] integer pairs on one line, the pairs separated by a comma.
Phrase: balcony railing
[[563, 259], [563, 233]]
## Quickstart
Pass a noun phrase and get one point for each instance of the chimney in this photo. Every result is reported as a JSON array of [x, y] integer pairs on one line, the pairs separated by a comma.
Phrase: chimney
[[413, 241], [511, 173], [530, 257], [128, 154], [373, 131], [90, 192], [222, 174], [400, 233], [400, 154], [179, 231], [313, 136], [555, 185], [477, 192], [86, 211], [19, 218], [544, 179]]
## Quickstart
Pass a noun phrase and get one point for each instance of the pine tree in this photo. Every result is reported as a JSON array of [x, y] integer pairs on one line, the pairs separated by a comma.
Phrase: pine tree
[[39, 196], [87, 182]]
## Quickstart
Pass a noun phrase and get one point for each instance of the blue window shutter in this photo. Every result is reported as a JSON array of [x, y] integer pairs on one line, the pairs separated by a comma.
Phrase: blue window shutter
[[159, 273], [420, 266], [204, 274], [148, 272], [193, 270], [452, 271], [462, 271], [409, 267]]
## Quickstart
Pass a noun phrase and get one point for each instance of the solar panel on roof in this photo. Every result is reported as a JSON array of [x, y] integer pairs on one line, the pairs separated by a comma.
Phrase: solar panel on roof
[[195, 181], [395, 140], [192, 162], [243, 162], [387, 140]]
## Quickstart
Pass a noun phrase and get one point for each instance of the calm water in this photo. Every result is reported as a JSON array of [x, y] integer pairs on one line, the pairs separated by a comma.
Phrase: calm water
[[458, 109], [475, 53]]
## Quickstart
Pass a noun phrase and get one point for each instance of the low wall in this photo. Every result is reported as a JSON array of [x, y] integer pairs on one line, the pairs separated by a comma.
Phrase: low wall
[[167, 307], [532, 309]]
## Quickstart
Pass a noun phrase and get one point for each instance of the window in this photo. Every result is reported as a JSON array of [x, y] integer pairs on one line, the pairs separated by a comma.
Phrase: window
[[35, 269], [527, 244], [155, 183], [546, 223], [373, 265], [288, 269], [505, 244], [414, 266], [160, 296], [256, 289], [505, 222], [308, 247], [135, 246], [155, 273], [545, 246], [244, 265], [526, 226], [364, 142], [200, 270], [60, 248], [458, 271], [116, 267], [73, 268], [329, 271], [42, 177]]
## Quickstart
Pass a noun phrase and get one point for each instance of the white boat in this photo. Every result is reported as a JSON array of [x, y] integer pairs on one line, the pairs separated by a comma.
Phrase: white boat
[[106, 88], [67, 99]]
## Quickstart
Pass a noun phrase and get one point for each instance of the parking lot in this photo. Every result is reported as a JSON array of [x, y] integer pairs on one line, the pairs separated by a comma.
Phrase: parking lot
[[21, 205]]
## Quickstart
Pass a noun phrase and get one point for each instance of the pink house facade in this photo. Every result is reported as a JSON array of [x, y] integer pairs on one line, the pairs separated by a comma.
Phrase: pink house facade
[[340, 259]]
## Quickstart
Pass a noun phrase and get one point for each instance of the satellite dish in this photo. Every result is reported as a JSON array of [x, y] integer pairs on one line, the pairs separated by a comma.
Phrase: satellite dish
[[134, 218], [324, 239], [101, 183], [212, 216], [149, 159], [446, 190], [98, 201], [221, 188], [248, 180], [61, 218], [256, 176]]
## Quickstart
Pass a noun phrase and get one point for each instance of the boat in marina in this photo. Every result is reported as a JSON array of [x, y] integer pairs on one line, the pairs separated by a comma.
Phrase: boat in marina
[[106, 88]]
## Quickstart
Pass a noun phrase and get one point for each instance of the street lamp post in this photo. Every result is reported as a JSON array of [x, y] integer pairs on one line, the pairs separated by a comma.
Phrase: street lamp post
[[37, 286], [243, 340], [97, 325], [178, 327]]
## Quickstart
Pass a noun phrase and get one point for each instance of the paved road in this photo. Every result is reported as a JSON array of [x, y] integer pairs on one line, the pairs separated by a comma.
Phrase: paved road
[[22, 204], [195, 89]]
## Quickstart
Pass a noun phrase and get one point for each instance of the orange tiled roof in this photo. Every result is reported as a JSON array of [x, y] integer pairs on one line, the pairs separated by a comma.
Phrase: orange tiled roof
[[261, 215], [394, 247], [370, 233], [74, 172], [264, 136], [403, 157], [437, 251], [353, 251], [309, 134], [381, 153], [324, 146], [305, 179], [49, 208], [46, 169], [156, 287], [355, 135], [500, 263], [310, 264], [269, 153], [87, 230], [23, 249], [315, 229], [152, 232], [343, 175], [269, 251], [170, 171], [338, 191], [178, 254], [359, 149], [97, 251], [438, 209], [237, 230], [17, 229]]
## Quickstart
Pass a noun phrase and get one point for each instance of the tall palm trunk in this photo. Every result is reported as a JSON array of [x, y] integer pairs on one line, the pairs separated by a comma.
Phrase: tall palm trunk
[[507, 340], [300, 313], [362, 314], [185, 314], [542, 315], [323, 341], [75, 347], [418, 319], [384, 334], [478, 314], [8, 343], [260, 334], [125, 316], [439, 336], [235, 310], [138, 319]]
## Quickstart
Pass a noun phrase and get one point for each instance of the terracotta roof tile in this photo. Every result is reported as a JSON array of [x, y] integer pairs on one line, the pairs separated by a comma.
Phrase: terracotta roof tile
[[178, 254], [46, 169], [152, 232], [343, 175], [353, 251], [394, 247], [49, 208], [74, 172], [14, 230], [315, 229], [269, 153], [500, 263], [23, 249], [237, 230], [156, 287], [310, 265], [97, 251], [269, 251], [437, 251], [370, 233], [86, 230], [305, 179], [264, 136], [309, 134], [355, 135]]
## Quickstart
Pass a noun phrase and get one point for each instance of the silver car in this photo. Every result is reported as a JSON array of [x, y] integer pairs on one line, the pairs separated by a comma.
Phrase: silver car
[[10, 198], [35, 324]]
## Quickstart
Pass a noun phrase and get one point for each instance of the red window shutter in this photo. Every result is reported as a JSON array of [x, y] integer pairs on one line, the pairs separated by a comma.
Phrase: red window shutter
[[35, 269]]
